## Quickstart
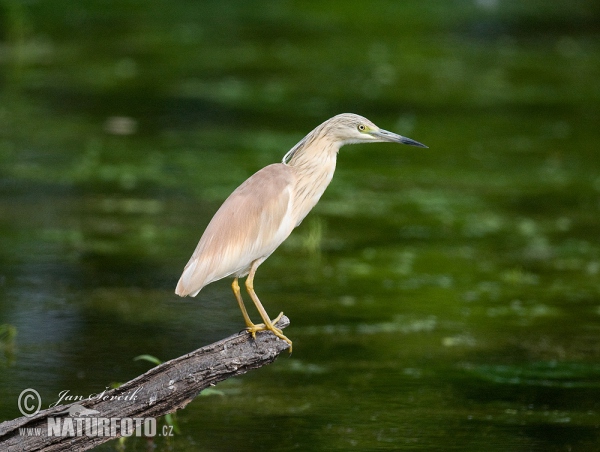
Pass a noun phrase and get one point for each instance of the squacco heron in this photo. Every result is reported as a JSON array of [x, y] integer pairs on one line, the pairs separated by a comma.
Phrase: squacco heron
[[262, 212]]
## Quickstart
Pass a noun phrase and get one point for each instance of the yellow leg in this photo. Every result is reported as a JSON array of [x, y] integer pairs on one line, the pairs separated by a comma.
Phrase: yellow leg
[[238, 296], [252, 327], [269, 324]]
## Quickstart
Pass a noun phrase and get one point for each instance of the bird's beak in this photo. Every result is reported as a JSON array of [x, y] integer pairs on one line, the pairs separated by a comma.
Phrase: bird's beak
[[384, 135]]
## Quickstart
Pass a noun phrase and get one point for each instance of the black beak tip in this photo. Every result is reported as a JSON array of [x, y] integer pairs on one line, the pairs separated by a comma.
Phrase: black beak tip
[[411, 142]]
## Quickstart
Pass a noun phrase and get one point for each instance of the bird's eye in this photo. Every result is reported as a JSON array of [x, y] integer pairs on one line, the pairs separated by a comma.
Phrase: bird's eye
[[361, 128]]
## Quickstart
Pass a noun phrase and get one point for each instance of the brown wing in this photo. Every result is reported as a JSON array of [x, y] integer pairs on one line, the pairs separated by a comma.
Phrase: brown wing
[[250, 225]]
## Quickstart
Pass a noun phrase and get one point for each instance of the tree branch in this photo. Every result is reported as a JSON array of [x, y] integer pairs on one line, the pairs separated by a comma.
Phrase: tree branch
[[163, 389]]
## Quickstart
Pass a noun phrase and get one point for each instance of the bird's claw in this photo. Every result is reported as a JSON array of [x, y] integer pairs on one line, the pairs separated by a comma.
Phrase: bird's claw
[[262, 327], [255, 328]]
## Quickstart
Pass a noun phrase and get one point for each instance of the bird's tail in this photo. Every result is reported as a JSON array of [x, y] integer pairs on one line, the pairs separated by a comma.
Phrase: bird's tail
[[185, 284]]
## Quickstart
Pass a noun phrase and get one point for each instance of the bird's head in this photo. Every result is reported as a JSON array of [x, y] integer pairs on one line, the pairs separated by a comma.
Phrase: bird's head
[[349, 128], [346, 128]]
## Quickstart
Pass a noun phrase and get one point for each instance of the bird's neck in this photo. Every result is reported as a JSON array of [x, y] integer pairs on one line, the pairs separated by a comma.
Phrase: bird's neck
[[314, 149], [313, 165]]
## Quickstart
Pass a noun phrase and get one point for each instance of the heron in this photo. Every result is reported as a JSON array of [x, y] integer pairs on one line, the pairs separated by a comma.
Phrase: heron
[[262, 212]]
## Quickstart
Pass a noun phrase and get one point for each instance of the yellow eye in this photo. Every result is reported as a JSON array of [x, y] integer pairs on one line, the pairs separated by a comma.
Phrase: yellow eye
[[361, 128]]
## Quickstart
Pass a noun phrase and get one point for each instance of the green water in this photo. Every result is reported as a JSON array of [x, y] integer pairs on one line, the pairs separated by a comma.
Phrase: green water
[[440, 299]]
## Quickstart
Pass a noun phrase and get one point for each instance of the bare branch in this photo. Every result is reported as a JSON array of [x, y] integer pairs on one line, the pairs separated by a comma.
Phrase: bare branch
[[163, 389]]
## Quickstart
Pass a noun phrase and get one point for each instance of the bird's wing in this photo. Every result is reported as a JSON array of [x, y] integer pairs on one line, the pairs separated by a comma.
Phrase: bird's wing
[[250, 225]]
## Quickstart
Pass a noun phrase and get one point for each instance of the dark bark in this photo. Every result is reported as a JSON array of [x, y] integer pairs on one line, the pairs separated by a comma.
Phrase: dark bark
[[163, 389]]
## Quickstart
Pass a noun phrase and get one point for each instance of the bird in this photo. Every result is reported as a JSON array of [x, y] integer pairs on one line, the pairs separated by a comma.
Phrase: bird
[[262, 212]]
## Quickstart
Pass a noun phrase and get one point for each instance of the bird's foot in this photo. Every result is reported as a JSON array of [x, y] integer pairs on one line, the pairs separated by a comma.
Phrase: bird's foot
[[255, 328]]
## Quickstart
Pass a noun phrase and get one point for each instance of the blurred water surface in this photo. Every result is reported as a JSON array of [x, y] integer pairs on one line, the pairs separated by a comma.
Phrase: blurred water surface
[[440, 299]]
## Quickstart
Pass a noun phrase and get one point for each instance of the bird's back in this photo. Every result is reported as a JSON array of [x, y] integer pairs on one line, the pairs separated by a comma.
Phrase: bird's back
[[249, 226]]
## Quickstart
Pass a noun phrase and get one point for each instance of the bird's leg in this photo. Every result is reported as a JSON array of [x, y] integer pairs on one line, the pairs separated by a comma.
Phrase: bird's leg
[[251, 327], [238, 296], [269, 324]]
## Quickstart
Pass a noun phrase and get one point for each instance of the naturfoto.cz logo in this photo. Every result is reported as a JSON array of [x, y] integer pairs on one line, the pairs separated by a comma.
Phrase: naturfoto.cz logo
[[81, 421]]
